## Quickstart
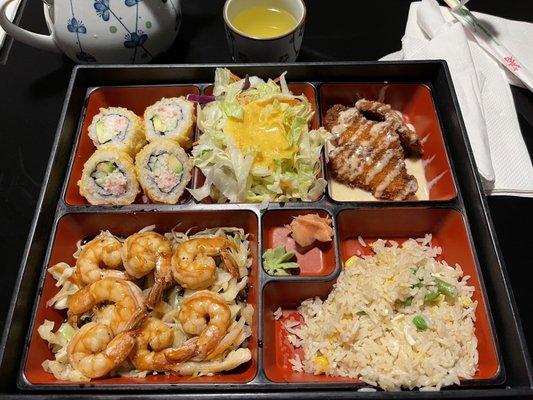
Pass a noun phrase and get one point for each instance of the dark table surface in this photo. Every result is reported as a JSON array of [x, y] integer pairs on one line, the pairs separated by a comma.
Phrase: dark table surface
[[33, 84]]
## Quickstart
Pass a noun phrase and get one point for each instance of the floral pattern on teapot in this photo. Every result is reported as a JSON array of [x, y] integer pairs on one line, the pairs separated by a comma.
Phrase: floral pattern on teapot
[[134, 36]]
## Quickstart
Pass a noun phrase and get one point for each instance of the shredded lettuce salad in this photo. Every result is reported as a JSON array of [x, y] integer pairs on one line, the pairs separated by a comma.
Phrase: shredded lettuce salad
[[58, 341], [230, 172]]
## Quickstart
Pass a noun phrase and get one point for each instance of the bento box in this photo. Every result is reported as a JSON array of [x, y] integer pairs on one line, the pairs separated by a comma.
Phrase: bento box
[[453, 211]]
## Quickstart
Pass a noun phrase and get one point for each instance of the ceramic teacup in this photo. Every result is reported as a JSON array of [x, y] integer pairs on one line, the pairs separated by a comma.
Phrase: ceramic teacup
[[283, 48], [103, 31]]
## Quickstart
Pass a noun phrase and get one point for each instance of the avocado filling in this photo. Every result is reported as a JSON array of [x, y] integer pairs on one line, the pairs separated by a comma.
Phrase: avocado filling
[[166, 171], [112, 127], [166, 118], [110, 179]]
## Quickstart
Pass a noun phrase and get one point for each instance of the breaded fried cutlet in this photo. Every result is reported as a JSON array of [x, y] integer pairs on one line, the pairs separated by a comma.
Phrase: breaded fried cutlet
[[368, 149], [377, 111]]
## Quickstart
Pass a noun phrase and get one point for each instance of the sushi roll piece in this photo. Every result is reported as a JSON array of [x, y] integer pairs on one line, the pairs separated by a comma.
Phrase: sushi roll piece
[[173, 119], [108, 178], [164, 170], [119, 127]]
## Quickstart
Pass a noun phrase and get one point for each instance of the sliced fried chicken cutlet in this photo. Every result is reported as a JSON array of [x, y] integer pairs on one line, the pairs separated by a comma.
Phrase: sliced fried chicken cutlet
[[368, 149]]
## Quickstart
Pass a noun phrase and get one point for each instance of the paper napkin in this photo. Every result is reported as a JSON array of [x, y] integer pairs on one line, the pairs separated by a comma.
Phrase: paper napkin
[[482, 88]]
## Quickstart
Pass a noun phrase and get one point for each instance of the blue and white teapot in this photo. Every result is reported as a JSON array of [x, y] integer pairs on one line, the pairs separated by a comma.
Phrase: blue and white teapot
[[103, 31]]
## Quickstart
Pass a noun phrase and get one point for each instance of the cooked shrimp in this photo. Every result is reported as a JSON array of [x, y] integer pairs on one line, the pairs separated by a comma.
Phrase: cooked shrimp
[[125, 298], [147, 251], [153, 351], [102, 251], [205, 314], [193, 266], [95, 351]]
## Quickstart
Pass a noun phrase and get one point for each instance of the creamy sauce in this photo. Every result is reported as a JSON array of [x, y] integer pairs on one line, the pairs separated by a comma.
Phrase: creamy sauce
[[341, 192], [434, 181], [344, 121]]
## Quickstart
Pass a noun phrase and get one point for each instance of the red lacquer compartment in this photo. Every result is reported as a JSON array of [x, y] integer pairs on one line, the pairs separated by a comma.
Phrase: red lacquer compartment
[[134, 98], [317, 259], [449, 232], [415, 102], [297, 89], [74, 227], [277, 350]]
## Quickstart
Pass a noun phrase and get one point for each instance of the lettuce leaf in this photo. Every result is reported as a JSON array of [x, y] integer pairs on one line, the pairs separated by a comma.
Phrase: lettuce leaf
[[232, 110], [58, 341], [62, 272]]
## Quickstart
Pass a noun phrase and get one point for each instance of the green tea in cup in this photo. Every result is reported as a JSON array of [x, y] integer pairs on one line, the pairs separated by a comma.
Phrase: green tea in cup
[[264, 30], [264, 21]]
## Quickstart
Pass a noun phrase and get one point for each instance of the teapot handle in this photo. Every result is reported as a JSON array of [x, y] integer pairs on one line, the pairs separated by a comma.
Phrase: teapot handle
[[45, 42]]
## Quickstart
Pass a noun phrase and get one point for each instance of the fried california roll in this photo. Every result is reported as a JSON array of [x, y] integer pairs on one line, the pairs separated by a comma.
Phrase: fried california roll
[[170, 119], [164, 170], [108, 178], [119, 127]]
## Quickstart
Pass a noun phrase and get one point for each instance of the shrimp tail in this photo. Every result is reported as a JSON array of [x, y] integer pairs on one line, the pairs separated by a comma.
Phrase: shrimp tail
[[182, 353], [120, 347], [208, 341], [156, 293], [229, 340], [137, 319], [230, 264]]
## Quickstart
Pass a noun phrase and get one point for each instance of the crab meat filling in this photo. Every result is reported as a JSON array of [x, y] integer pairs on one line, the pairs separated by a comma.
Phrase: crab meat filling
[[110, 127], [166, 171], [166, 118], [110, 179]]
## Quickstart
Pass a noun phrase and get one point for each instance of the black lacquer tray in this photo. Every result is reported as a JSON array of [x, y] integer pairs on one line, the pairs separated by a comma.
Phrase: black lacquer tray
[[456, 213]]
